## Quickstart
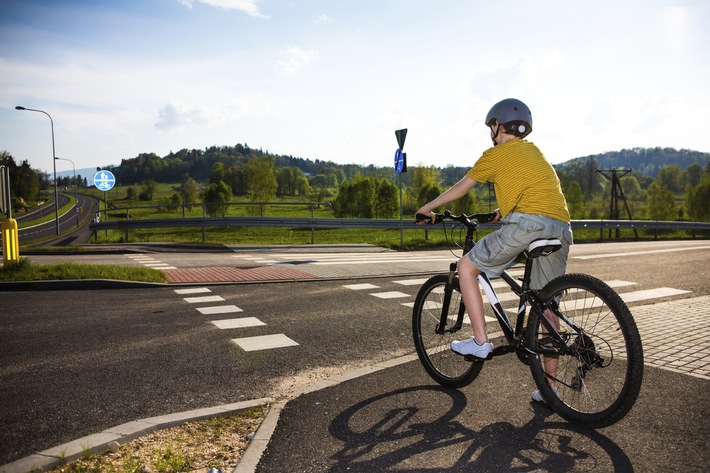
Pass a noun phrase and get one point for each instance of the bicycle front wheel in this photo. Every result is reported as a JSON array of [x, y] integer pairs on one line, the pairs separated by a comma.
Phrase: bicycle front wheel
[[433, 346], [599, 371]]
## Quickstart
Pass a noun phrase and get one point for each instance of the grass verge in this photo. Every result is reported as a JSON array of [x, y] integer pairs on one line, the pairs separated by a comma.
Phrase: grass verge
[[24, 270], [195, 446]]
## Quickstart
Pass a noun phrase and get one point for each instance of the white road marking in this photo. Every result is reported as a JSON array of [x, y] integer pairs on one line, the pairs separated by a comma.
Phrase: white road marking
[[243, 322], [196, 300], [632, 253], [360, 287], [390, 295], [411, 282], [192, 290], [264, 342], [222, 309]]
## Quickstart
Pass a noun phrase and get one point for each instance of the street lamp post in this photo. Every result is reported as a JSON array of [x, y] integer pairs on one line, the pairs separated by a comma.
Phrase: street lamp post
[[54, 163], [76, 198]]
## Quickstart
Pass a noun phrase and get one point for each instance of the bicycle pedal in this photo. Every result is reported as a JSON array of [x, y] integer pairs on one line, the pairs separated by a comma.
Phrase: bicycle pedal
[[472, 358]]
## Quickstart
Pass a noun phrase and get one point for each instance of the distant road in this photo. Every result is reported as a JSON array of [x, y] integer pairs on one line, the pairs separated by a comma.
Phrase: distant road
[[68, 221]]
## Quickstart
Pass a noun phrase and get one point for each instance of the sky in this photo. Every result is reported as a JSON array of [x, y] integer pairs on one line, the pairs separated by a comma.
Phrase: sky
[[333, 79]]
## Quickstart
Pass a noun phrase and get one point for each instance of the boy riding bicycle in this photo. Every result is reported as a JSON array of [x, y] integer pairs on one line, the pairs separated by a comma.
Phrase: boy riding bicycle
[[531, 206]]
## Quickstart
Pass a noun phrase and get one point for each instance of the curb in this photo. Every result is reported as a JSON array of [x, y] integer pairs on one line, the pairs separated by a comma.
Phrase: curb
[[102, 441], [75, 284]]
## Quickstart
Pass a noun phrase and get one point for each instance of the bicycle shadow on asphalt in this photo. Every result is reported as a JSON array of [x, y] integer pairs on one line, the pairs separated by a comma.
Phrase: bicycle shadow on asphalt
[[427, 429]]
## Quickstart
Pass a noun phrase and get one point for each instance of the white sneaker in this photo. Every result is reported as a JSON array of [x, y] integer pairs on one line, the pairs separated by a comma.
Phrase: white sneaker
[[537, 397], [471, 347]]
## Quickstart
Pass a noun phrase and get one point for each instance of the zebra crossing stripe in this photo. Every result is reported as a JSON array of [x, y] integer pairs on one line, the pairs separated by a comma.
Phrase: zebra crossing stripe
[[264, 342], [243, 322], [197, 300], [360, 287], [222, 309], [390, 295], [192, 290]]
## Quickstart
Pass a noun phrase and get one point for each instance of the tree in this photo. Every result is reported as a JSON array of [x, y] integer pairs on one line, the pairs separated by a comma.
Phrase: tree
[[421, 177], [262, 182], [344, 204], [693, 174], [697, 201], [464, 205], [190, 191], [216, 198], [429, 192], [387, 202], [661, 203], [365, 196], [575, 200], [149, 188], [217, 174], [585, 173], [318, 188], [670, 178]]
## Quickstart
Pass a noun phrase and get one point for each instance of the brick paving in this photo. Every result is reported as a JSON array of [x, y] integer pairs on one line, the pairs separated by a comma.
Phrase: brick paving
[[674, 335]]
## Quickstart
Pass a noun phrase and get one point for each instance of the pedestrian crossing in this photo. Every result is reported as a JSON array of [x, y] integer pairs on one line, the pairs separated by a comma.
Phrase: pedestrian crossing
[[149, 261], [210, 304], [256, 343], [505, 294]]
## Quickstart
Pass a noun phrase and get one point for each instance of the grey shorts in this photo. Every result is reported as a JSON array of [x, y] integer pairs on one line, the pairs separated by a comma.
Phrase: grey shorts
[[498, 250]]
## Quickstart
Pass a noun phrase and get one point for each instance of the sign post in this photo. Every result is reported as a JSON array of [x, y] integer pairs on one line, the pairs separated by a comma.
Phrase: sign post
[[104, 181], [400, 166], [10, 233]]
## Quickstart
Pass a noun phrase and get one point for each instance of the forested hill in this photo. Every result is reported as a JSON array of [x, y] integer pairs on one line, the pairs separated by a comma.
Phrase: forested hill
[[176, 166], [645, 161]]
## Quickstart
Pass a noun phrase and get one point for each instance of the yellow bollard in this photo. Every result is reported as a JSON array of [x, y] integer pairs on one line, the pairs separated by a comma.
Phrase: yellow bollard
[[10, 243]]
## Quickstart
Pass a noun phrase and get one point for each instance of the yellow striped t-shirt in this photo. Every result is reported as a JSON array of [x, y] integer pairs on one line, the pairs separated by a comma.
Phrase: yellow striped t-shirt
[[524, 180]]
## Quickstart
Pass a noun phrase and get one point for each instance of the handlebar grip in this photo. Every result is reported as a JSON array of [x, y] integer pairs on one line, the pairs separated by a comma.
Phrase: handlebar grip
[[489, 217], [422, 217]]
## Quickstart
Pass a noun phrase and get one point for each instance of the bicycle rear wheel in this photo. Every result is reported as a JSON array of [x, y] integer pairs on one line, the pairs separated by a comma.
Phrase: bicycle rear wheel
[[442, 364], [600, 370]]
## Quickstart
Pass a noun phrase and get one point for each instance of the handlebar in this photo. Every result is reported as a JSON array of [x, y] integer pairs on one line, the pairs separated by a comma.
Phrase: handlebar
[[463, 219]]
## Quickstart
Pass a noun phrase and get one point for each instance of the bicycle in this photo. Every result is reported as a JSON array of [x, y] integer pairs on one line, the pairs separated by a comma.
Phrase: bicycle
[[588, 328]]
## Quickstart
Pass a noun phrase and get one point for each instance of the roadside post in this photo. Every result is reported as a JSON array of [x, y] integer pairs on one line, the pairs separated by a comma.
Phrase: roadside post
[[104, 181], [10, 235], [400, 166]]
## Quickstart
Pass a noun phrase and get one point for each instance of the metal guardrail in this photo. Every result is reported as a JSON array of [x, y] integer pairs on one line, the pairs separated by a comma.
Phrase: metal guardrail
[[318, 223]]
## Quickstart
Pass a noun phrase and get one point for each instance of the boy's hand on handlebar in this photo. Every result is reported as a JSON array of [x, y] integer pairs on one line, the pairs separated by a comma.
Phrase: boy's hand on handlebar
[[423, 219], [495, 219]]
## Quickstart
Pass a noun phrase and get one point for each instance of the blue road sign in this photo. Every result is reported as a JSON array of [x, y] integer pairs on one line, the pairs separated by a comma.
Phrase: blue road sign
[[104, 180], [400, 161]]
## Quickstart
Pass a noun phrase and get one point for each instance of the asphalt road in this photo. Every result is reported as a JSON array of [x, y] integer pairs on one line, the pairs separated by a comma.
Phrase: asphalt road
[[76, 362]]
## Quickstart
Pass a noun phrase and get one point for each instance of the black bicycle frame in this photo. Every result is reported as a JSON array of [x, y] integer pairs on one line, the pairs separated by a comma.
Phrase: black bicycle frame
[[514, 335]]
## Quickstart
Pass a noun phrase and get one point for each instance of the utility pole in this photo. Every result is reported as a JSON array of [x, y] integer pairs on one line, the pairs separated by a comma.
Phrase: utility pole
[[617, 193]]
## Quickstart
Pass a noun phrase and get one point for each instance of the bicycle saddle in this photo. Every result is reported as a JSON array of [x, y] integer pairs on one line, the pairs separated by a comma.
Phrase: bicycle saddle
[[543, 247]]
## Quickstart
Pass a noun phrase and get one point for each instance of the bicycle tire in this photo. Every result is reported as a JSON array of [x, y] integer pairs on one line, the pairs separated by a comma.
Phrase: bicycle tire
[[443, 365], [600, 376]]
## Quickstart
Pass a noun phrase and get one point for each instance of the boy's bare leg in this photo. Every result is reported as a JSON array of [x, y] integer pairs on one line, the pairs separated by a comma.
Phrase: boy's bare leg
[[472, 298], [550, 363]]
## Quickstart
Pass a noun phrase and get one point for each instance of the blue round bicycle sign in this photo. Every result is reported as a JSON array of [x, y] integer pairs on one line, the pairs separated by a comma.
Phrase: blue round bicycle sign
[[104, 180]]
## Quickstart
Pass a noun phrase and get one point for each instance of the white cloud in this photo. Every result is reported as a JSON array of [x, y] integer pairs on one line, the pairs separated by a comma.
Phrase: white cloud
[[295, 58], [678, 27], [250, 106], [322, 18], [178, 116], [247, 6]]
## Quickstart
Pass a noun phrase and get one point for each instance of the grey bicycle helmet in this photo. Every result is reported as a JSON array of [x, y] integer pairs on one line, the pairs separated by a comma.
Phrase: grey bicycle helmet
[[513, 114]]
